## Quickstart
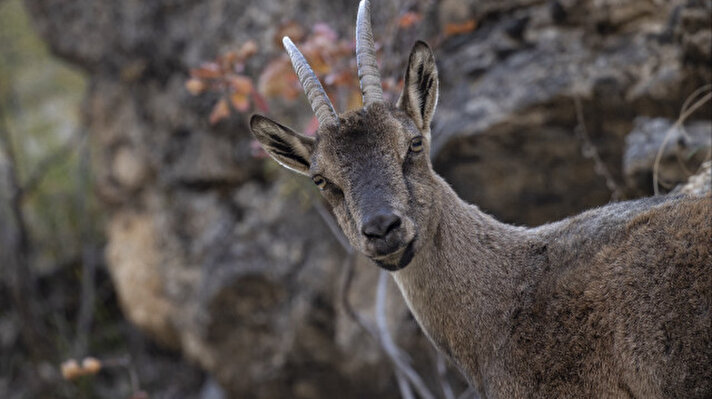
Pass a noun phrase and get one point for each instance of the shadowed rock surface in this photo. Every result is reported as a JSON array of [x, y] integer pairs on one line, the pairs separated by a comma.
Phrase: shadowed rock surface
[[683, 149], [223, 257]]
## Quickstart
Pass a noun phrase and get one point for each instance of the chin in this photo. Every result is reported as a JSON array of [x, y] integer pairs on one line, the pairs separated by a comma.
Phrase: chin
[[396, 260]]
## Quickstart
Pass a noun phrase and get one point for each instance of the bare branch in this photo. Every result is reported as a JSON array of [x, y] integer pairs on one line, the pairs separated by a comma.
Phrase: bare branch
[[22, 285], [442, 376], [89, 256], [469, 393], [15, 187], [333, 227], [347, 279], [405, 374], [387, 341], [133, 376], [127, 363], [685, 113], [403, 385], [590, 151]]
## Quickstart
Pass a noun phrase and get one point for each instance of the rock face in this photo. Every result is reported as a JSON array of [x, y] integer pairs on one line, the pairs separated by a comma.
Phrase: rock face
[[224, 257], [506, 136], [679, 148], [698, 184]]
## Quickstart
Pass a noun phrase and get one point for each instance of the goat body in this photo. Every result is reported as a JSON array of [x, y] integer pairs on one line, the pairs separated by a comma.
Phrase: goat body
[[615, 302]]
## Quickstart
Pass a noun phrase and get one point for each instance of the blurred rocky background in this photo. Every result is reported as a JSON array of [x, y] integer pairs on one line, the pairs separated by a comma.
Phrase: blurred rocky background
[[139, 224]]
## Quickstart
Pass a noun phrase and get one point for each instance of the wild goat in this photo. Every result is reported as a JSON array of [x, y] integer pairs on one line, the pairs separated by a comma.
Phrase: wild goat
[[614, 302]]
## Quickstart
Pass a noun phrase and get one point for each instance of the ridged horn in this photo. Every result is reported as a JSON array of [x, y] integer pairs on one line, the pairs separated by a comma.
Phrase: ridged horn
[[318, 99], [368, 75]]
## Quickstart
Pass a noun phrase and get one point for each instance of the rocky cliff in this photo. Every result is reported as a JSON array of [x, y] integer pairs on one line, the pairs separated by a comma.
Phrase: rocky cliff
[[225, 257]]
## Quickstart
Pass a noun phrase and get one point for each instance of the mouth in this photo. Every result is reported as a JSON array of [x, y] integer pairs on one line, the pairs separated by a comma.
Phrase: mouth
[[398, 259]]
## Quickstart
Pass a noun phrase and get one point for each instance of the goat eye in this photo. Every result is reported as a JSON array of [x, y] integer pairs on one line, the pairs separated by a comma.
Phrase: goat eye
[[416, 145], [319, 181]]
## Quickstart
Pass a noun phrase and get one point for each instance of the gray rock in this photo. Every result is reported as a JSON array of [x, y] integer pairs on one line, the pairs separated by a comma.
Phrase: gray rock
[[681, 149], [699, 183], [222, 257]]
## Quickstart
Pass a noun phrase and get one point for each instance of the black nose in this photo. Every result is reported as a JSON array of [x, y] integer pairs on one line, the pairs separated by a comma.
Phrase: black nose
[[380, 224]]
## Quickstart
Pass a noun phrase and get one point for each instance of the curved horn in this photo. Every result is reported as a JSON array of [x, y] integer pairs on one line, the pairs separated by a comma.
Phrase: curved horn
[[318, 99], [368, 75]]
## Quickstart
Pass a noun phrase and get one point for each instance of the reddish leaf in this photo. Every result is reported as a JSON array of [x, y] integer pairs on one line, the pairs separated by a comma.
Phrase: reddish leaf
[[240, 84], [278, 79], [208, 70], [220, 111], [195, 86], [290, 28], [248, 49], [70, 369], [392, 88], [452, 29], [91, 365], [345, 48], [240, 101], [228, 59], [409, 19], [314, 53], [323, 30], [312, 127], [340, 78]]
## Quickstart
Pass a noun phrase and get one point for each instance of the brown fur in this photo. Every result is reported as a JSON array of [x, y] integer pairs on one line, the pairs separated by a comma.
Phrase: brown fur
[[615, 302]]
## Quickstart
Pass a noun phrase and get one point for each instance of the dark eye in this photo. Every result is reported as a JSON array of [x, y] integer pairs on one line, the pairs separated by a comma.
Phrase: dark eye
[[319, 181], [416, 145]]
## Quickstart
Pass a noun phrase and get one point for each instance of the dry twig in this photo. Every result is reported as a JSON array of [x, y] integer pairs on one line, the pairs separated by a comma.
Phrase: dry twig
[[405, 374], [89, 256], [590, 151], [404, 386], [469, 393], [384, 337], [442, 376], [333, 227], [22, 285], [685, 113]]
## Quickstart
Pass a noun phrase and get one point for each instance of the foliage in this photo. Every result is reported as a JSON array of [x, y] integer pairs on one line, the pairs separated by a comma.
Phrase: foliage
[[330, 56], [225, 75]]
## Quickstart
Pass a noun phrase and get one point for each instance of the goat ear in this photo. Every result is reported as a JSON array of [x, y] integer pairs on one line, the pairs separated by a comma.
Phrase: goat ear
[[291, 149], [420, 92]]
